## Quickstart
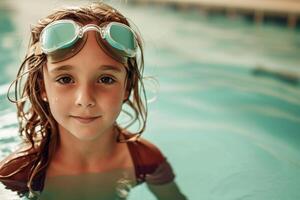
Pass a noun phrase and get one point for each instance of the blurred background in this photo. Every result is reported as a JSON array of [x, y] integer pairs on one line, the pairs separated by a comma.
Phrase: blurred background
[[226, 112]]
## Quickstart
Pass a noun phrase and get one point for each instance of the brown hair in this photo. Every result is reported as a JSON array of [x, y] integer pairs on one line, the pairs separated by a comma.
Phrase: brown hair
[[36, 124]]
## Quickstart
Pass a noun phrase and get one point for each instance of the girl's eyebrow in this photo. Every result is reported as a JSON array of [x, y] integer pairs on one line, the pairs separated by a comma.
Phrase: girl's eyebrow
[[101, 67]]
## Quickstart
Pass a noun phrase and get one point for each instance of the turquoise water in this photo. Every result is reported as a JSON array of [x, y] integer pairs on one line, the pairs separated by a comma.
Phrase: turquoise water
[[229, 134]]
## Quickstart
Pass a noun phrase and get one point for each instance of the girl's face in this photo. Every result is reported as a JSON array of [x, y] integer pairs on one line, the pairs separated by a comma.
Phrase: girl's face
[[85, 93]]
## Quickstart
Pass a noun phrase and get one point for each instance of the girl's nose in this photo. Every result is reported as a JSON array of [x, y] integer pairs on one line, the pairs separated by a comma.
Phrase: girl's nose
[[84, 97]]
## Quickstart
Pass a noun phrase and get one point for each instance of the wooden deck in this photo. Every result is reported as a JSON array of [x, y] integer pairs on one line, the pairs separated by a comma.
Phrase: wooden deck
[[289, 9]]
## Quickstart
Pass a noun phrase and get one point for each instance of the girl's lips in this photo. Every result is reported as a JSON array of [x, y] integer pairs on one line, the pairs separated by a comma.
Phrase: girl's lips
[[84, 120]]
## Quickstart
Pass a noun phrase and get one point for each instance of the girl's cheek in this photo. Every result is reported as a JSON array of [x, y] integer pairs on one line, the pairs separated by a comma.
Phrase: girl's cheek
[[115, 97], [58, 95]]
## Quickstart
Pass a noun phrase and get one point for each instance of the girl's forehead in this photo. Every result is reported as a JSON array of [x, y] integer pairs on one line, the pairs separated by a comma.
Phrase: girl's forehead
[[80, 70]]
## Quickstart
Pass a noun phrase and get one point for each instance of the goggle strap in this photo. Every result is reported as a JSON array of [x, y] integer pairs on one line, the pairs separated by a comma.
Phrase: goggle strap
[[35, 49]]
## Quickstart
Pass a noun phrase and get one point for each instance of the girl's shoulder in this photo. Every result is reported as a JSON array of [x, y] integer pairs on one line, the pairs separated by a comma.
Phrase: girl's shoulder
[[148, 148], [143, 151], [15, 168], [151, 164]]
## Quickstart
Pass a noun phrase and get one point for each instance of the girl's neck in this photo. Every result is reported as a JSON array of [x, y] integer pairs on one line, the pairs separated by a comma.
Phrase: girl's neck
[[85, 155]]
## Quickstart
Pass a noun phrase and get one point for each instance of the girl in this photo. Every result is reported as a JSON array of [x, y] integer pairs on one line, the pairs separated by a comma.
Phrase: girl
[[81, 67]]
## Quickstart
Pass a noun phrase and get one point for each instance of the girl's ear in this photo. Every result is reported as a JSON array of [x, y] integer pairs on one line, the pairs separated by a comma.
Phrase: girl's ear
[[43, 90], [44, 96], [127, 88], [126, 95]]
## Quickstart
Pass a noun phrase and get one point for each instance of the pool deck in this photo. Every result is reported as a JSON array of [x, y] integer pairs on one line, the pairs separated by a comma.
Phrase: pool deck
[[289, 9]]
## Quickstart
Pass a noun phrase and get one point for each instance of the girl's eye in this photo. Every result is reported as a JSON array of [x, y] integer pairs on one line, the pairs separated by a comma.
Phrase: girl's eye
[[107, 80], [64, 80], [68, 80]]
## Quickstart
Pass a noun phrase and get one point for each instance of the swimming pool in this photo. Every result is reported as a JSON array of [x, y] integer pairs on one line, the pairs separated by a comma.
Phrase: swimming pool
[[228, 132]]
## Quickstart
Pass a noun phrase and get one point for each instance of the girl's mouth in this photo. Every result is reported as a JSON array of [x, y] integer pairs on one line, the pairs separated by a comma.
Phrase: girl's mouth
[[86, 119]]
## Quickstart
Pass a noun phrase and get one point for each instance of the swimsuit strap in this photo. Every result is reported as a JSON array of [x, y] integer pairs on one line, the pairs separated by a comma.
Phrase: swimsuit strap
[[150, 164], [146, 158]]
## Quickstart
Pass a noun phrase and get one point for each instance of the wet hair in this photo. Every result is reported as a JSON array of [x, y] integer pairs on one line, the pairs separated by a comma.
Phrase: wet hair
[[37, 126]]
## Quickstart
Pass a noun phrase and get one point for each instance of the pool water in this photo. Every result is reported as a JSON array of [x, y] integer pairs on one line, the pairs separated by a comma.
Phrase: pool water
[[229, 133]]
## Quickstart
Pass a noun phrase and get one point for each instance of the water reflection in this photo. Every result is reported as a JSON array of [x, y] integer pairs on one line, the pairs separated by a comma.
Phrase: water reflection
[[113, 185]]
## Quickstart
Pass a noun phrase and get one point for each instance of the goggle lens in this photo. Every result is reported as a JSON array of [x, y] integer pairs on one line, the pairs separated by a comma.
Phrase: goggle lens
[[57, 36], [122, 36]]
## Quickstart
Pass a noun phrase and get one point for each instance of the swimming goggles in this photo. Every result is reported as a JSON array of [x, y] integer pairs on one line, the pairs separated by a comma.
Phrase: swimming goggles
[[63, 39]]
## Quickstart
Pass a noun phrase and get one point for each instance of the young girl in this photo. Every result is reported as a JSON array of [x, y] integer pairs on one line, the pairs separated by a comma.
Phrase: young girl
[[81, 67]]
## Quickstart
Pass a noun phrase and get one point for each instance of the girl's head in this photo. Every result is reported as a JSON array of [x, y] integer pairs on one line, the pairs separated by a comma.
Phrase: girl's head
[[40, 66], [85, 93], [84, 82]]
